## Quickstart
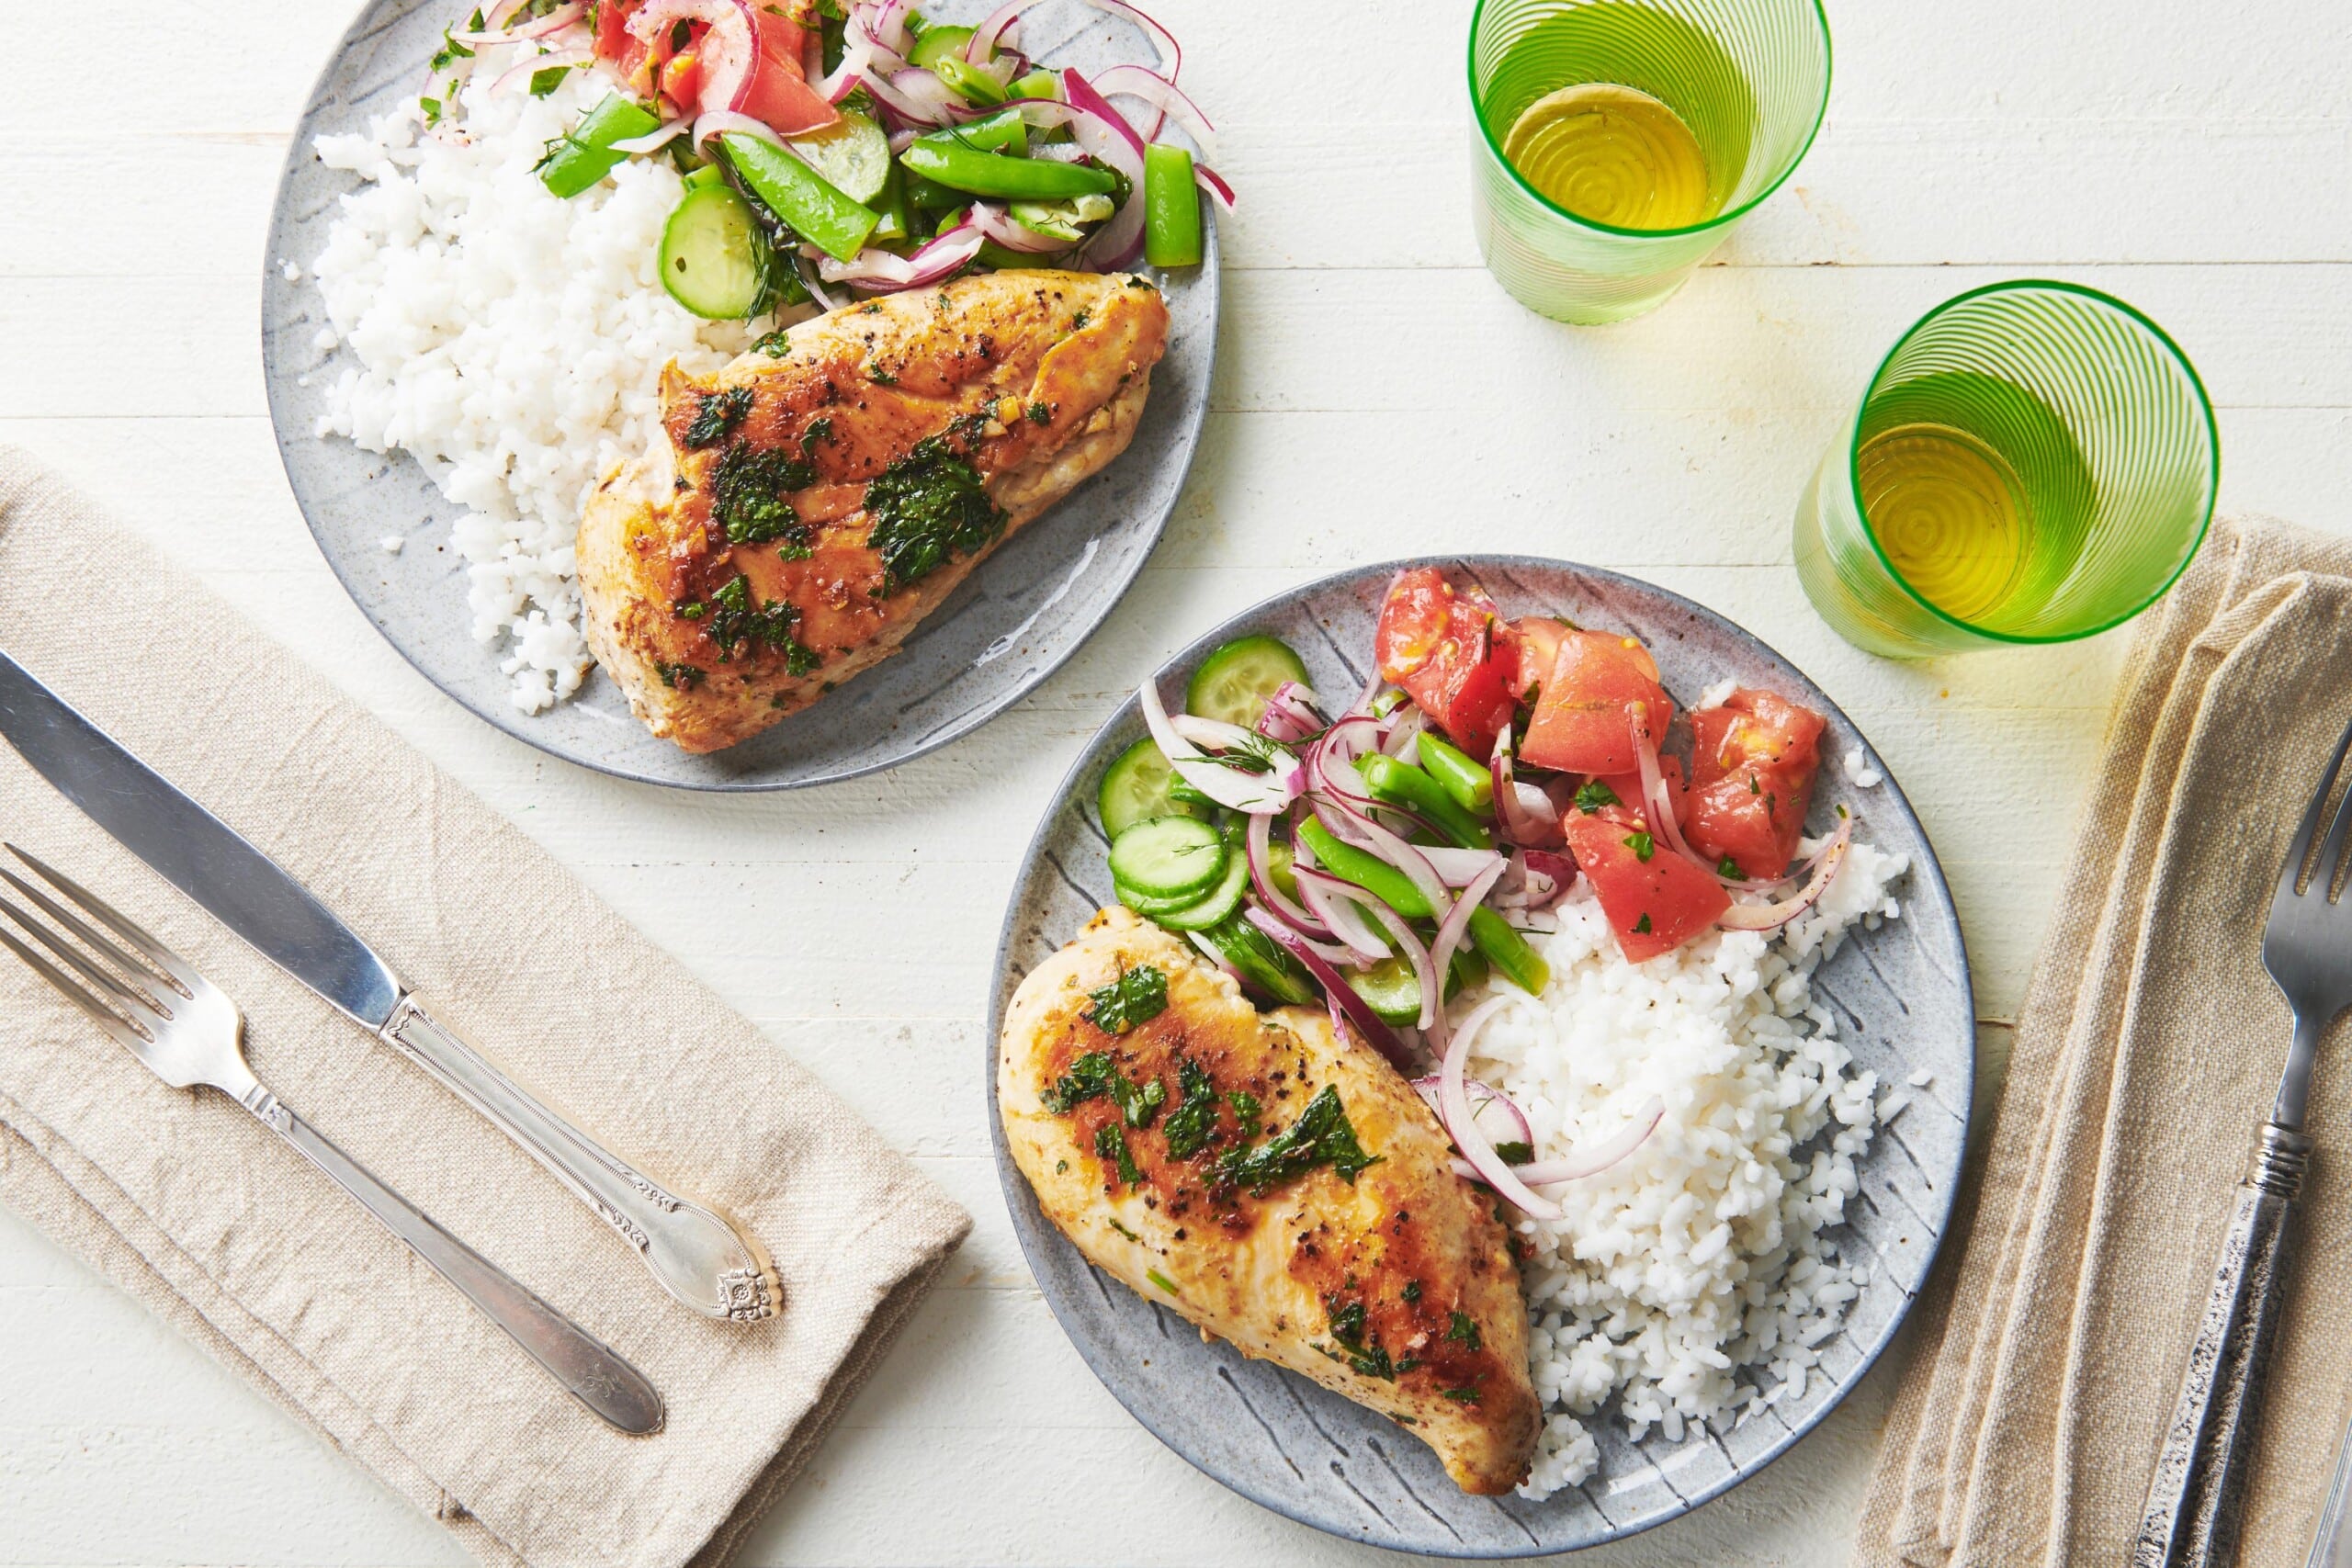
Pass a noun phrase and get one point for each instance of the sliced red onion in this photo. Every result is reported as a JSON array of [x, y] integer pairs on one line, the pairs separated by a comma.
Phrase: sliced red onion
[[902, 139], [729, 49], [1334, 903], [1229, 787], [1415, 952], [1523, 886], [1771, 916], [555, 21], [886, 24], [721, 123], [1404, 741], [1524, 811], [1460, 868], [1109, 139], [1495, 1112], [500, 14], [1164, 96], [1560, 868], [524, 70], [1592, 1161], [1542, 921], [1290, 714], [1461, 1121], [655, 140], [495, 29], [1209, 951], [878, 271], [1657, 799], [1456, 924], [814, 285], [998, 225], [1209, 180], [1341, 997], [1258, 842], [922, 94], [1213, 732]]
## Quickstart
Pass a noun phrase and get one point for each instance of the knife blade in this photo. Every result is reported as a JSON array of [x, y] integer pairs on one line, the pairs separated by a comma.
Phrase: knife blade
[[193, 850], [699, 1256]]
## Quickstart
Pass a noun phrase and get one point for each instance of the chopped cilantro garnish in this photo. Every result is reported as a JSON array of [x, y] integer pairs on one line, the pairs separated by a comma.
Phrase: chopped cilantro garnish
[[1111, 1142], [747, 496], [1194, 1122], [880, 377], [1462, 1395], [1115, 1224], [775, 344], [819, 429], [1412, 1290], [1363, 1356], [1136, 997], [1729, 868], [679, 677], [718, 413], [1512, 1152], [1078, 320], [1094, 1075], [1465, 1332], [1642, 926], [1039, 413], [547, 79], [1163, 1281], [928, 507], [1321, 1135], [692, 609], [1642, 844], [1592, 794]]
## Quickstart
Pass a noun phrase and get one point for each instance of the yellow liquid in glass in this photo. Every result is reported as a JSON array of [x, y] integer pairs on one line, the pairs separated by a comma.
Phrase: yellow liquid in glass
[[1951, 514], [1612, 154]]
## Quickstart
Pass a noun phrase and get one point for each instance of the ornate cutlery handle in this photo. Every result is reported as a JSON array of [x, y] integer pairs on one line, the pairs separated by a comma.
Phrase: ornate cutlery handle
[[2198, 1491], [699, 1256], [595, 1374]]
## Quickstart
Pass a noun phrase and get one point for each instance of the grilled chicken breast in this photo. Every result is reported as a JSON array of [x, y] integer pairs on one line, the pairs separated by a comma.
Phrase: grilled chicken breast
[[803, 510], [1278, 1186]]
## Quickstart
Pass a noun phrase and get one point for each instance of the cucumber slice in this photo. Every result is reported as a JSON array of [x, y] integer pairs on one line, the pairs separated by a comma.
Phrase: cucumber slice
[[714, 259], [1053, 219], [1393, 992], [1234, 682], [1262, 963], [937, 43], [1219, 901], [1169, 857], [1139, 783], [852, 153]]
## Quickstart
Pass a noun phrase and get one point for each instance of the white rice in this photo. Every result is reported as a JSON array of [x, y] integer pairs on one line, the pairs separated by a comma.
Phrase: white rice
[[1692, 1282], [511, 342]]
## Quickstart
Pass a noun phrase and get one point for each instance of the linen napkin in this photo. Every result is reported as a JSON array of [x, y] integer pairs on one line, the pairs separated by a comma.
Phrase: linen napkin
[[2051, 1346], [186, 1201]]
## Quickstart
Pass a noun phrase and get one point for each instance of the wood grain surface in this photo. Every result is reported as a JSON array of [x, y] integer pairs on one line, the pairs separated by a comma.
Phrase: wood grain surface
[[1378, 396]]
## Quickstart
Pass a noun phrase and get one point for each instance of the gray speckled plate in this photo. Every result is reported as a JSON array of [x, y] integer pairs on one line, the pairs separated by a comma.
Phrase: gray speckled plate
[[1009, 625], [1902, 998]]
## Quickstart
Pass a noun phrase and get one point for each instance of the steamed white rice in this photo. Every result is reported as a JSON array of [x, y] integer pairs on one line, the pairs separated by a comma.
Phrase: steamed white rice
[[1692, 1282], [510, 342]]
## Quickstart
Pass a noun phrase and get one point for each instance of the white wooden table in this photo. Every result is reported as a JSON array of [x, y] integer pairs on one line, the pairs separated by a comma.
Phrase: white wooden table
[[1378, 396]]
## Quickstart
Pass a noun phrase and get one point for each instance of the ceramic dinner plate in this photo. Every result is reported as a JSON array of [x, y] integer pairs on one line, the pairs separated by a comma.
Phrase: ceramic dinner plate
[[1900, 993], [1008, 626]]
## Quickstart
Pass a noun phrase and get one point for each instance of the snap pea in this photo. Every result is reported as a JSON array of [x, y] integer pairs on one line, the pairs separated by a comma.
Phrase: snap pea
[[1003, 132], [1039, 84], [1472, 784], [967, 81], [1017, 179], [798, 194], [1402, 784], [1171, 210], [580, 160], [1504, 947]]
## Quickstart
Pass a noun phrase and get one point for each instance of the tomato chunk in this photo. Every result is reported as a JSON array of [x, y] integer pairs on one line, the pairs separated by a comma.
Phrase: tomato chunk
[[780, 94], [1583, 721], [1440, 644], [1626, 788], [1655, 899], [1753, 761]]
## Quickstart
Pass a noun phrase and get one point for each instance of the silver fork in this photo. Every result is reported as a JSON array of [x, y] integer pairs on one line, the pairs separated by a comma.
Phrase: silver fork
[[189, 1034], [2196, 1496]]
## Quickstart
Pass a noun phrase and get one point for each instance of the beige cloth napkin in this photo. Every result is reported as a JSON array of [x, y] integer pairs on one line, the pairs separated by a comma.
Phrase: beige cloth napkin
[[2052, 1342], [190, 1204]]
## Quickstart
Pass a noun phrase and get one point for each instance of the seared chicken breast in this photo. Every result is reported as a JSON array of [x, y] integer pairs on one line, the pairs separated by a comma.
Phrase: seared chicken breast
[[1277, 1184], [804, 508]]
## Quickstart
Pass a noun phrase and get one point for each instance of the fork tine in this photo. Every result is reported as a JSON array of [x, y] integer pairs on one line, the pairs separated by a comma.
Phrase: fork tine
[[132, 968], [145, 1009], [160, 958], [103, 1016], [2327, 871], [2291, 875]]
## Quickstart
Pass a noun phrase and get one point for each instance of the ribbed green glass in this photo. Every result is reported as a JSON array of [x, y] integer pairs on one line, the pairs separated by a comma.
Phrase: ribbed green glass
[[2088, 421], [1750, 78]]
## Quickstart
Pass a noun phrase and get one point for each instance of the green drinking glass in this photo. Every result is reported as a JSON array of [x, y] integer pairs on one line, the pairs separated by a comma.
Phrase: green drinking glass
[[2033, 462], [1616, 141]]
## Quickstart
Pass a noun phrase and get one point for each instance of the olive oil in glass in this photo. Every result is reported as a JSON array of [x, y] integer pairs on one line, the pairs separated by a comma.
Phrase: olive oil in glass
[[1612, 154]]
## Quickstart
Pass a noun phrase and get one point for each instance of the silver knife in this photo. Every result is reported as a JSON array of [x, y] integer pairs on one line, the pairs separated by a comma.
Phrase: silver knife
[[698, 1254], [2333, 1547]]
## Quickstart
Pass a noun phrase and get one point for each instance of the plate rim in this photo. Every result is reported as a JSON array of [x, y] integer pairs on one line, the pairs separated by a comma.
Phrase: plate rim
[[1013, 1185], [1184, 449]]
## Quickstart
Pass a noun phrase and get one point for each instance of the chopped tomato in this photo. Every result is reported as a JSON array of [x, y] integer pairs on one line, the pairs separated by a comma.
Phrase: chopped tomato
[[1655, 899], [1626, 788], [682, 76], [1534, 642], [613, 40], [1583, 721], [1754, 760], [1440, 645], [780, 94]]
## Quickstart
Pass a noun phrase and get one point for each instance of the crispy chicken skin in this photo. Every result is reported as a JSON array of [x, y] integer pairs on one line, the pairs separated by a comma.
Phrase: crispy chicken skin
[[1027, 382], [1395, 1288]]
